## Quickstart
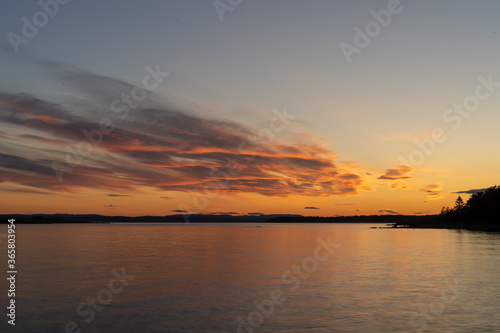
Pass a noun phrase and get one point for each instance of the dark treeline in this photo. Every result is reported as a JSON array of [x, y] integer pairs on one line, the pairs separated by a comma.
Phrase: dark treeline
[[482, 209], [480, 212]]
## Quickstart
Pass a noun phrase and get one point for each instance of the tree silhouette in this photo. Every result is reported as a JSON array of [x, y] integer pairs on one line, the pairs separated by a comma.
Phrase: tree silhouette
[[459, 204], [482, 208]]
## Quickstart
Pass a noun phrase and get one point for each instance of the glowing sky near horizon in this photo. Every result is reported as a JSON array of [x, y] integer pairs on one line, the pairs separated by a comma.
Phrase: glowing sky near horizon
[[259, 113]]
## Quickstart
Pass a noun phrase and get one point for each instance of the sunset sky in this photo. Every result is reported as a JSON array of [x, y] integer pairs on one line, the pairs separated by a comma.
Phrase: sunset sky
[[297, 107]]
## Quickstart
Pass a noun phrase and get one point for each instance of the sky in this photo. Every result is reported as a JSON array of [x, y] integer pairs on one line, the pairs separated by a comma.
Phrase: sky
[[247, 107]]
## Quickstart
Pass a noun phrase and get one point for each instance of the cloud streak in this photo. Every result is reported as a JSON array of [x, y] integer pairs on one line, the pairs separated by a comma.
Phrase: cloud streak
[[158, 144], [387, 211], [471, 191], [401, 172], [433, 190]]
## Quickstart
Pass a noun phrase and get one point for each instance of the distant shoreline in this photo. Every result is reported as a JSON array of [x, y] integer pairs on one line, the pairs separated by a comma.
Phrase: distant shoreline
[[390, 221], [207, 218]]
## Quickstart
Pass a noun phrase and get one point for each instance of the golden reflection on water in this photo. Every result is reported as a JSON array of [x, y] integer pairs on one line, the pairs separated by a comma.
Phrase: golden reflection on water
[[197, 278]]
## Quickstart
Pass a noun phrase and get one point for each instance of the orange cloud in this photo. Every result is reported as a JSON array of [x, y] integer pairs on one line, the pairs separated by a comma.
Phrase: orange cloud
[[46, 119], [433, 191], [158, 146], [401, 172]]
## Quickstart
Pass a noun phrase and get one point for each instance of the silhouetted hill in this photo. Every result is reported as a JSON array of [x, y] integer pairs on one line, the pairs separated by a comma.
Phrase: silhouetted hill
[[178, 218]]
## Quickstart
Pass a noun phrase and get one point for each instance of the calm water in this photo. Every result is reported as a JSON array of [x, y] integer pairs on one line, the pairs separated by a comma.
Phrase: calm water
[[202, 278]]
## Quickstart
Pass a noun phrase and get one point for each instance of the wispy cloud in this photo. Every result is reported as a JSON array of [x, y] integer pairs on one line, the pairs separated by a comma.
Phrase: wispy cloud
[[23, 190], [401, 172], [118, 195], [387, 211], [310, 207], [433, 190], [412, 136], [158, 144], [224, 213], [471, 191]]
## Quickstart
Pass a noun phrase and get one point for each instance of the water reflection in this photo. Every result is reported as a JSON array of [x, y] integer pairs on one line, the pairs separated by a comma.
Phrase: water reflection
[[202, 278]]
